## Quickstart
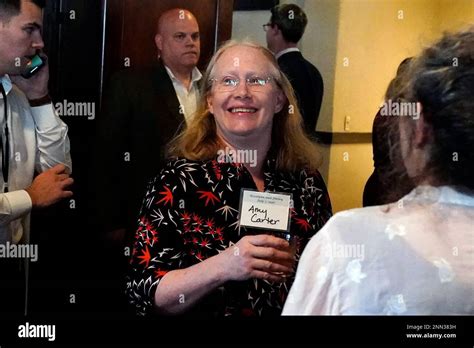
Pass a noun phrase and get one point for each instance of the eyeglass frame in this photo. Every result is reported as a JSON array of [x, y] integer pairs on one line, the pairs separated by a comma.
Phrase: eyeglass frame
[[233, 88], [266, 25]]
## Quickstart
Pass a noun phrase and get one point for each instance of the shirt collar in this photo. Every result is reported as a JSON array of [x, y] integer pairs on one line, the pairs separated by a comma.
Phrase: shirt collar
[[195, 75], [7, 84], [286, 50], [441, 194]]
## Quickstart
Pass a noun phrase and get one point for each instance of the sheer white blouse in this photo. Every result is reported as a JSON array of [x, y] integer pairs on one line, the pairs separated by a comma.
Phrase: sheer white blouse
[[412, 257]]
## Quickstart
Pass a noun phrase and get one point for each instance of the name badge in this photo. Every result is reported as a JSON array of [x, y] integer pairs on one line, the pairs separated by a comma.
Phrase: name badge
[[266, 210]]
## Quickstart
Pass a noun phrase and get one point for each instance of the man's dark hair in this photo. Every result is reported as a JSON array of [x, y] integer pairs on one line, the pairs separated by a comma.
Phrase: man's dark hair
[[12, 8], [291, 20]]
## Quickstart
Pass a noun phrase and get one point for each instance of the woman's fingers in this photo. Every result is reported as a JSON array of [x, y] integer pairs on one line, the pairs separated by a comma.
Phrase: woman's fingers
[[271, 267], [283, 257], [267, 240], [271, 277]]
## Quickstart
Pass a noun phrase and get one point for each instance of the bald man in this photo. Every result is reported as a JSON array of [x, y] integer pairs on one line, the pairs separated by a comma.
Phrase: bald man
[[177, 40], [142, 111]]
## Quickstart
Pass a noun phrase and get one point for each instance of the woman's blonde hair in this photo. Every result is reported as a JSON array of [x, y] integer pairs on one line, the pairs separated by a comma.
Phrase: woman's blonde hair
[[292, 147]]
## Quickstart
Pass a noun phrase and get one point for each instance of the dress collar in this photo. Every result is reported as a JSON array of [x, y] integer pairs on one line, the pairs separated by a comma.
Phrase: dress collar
[[440, 194]]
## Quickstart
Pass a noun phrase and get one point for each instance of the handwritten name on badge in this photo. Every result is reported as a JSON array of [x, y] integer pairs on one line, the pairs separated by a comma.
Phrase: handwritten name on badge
[[266, 210]]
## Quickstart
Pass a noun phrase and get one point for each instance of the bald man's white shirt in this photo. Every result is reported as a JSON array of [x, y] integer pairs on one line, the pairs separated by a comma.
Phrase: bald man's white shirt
[[188, 98]]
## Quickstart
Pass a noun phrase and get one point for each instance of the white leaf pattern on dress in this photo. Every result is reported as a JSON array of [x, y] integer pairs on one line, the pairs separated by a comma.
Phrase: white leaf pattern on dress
[[354, 271], [445, 272], [395, 305], [393, 230]]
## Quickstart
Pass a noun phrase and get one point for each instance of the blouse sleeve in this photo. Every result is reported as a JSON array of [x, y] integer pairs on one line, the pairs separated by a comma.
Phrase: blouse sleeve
[[158, 246], [314, 291]]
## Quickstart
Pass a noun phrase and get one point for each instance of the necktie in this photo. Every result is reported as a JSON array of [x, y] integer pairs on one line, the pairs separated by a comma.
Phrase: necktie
[[5, 149]]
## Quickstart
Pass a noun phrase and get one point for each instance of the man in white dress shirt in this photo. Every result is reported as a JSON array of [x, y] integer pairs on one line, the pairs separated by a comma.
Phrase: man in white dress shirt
[[143, 109], [179, 53], [33, 138]]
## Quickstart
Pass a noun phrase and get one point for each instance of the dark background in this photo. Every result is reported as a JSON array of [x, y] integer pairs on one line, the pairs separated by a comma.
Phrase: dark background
[[252, 5]]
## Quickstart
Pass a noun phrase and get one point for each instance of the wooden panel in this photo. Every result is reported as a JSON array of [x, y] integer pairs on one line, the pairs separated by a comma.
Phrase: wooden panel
[[72, 35], [113, 37], [224, 21]]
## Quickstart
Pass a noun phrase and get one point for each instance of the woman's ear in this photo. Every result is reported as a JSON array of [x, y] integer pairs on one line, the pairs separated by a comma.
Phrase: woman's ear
[[416, 138], [209, 104], [423, 133], [280, 101]]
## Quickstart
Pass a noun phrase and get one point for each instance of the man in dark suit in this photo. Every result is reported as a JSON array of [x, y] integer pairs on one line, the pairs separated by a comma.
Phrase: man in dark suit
[[283, 32], [143, 110]]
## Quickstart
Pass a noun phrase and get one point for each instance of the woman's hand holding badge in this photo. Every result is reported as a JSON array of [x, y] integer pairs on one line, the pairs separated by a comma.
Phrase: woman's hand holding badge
[[261, 256]]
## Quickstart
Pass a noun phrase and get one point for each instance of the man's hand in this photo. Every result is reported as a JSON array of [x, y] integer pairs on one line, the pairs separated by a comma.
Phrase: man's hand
[[35, 87], [50, 187]]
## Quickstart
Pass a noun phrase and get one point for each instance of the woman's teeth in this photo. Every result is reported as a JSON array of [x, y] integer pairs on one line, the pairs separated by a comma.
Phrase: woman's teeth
[[246, 110]]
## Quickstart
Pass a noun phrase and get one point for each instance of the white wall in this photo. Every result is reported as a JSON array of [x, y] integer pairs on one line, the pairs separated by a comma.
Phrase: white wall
[[248, 24]]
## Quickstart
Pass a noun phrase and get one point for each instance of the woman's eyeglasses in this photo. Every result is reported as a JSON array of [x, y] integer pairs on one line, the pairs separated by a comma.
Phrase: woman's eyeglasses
[[229, 83], [265, 26]]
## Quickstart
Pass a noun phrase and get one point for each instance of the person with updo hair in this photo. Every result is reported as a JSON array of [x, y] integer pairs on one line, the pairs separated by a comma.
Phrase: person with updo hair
[[414, 256]]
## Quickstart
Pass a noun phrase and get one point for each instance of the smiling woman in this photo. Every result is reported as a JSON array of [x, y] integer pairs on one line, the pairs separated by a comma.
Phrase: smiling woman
[[203, 138], [191, 255], [244, 112]]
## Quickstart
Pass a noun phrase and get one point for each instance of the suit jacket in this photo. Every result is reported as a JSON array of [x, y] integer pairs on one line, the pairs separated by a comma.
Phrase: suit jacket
[[140, 116], [308, 85]]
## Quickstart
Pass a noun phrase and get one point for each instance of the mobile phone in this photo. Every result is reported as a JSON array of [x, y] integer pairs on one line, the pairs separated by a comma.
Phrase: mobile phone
[[33, 66]]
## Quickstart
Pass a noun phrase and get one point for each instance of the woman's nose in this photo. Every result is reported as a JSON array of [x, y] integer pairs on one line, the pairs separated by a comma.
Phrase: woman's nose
[[242, 90]]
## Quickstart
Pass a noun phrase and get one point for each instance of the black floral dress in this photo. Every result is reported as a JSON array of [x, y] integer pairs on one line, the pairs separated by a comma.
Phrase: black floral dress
[[190, 212]]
